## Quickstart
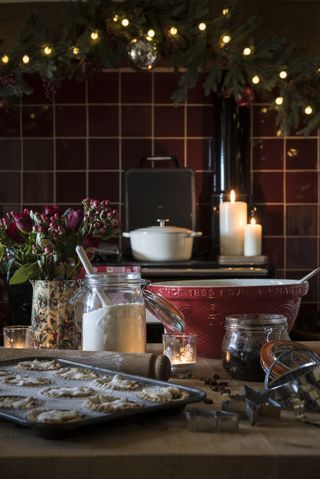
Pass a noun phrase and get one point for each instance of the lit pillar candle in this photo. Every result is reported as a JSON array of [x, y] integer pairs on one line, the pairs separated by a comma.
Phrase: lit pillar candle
[[233, 218], [252, 239]]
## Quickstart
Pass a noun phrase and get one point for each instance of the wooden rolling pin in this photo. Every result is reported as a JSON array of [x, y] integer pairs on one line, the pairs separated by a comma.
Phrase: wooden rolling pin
[[141, 364]]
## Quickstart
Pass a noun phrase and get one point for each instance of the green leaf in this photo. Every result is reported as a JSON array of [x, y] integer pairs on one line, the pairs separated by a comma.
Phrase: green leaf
[[2, 251], [24, 273]]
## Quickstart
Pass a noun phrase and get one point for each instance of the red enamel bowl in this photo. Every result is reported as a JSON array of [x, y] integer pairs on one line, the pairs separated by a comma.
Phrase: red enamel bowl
[[206, 303]]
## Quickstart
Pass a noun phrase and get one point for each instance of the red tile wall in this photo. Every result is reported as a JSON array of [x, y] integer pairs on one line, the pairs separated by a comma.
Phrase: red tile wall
[[78, 143], [285, 183]]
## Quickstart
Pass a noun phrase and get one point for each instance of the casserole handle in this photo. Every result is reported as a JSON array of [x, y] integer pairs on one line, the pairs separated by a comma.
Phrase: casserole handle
[[126, 234], [196, 234]]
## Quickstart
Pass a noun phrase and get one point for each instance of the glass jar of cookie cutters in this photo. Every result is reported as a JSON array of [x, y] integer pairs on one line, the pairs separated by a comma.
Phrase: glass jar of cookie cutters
[[113, 312], [298, 387], [244, 337], [272, 353]]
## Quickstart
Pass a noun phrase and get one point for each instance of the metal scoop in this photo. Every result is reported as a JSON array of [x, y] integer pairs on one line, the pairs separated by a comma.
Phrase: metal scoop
[[309, 275]]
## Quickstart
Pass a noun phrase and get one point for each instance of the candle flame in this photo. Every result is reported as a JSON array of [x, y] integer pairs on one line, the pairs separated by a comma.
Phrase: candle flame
[[253, 221], [232, 196]]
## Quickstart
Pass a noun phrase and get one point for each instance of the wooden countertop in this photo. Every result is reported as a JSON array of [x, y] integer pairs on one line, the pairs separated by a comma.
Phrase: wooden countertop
[[161, 447]]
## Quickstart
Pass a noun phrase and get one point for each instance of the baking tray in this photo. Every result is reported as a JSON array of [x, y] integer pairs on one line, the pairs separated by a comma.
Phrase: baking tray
[[55, 430]]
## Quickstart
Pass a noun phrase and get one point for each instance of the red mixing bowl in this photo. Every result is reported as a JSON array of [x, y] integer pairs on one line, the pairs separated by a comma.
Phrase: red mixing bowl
[[206, 303]]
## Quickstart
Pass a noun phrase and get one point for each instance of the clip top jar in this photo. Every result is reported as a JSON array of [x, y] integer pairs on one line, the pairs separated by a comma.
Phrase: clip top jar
[[244, 337], [113, 313]]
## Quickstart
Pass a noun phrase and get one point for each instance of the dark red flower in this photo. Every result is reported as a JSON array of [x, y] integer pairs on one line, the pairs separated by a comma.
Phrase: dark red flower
[[51, 210], [23, 222], [91, 242], [13, 233], [74, 219]]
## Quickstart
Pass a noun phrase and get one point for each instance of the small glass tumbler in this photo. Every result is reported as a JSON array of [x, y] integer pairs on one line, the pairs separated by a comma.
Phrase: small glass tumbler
[[181, 349], [17, 337]]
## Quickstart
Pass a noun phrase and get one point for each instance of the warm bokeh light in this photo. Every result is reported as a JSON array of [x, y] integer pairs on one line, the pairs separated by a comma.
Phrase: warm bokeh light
[[94, 35], [226, 39], [47, 50], [279, 100], [247, 51]]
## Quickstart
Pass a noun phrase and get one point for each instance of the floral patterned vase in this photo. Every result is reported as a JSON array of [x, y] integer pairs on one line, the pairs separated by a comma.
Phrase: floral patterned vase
[[53, 320]]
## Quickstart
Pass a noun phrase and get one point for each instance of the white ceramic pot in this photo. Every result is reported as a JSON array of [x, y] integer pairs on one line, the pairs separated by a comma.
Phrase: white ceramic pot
[[162, 243]]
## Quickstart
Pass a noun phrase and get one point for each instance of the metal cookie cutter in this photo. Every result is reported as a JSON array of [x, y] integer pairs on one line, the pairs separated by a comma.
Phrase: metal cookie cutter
[[200, 420], [253, 406]]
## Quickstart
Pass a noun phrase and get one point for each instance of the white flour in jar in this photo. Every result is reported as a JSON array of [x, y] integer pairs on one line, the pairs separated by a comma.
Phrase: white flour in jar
[[118, 327]]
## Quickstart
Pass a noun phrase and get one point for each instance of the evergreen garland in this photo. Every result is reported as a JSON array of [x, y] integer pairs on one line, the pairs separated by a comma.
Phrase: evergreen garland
[[93, 37]]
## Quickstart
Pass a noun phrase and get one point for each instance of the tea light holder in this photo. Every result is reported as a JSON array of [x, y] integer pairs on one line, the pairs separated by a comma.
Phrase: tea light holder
[[17, 337], [181, 349]]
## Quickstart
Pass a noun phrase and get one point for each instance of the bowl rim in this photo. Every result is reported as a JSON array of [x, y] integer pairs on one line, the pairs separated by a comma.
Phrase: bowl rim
[[230, 283]]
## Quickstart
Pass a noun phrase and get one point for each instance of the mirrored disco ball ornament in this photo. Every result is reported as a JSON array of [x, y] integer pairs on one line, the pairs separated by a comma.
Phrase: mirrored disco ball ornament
[[143, 54]]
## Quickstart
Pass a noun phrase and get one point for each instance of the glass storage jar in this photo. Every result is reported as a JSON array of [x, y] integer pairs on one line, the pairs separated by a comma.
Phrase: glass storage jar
[[245, 334], [113, 316]]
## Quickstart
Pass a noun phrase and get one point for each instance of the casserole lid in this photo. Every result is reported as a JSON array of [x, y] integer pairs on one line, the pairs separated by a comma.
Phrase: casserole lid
[[162, 229]]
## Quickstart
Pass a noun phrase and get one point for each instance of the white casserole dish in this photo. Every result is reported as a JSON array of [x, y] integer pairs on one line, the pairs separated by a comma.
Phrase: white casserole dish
[[162, 243]]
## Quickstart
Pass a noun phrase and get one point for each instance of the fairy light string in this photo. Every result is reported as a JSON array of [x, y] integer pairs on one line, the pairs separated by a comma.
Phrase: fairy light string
[[194, 41]]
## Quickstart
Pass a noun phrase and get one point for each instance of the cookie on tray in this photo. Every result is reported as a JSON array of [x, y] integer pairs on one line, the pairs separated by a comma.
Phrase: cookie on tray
[[18, 402], [117, 383], [25, 381], [68, 392], [39, 365], [54, 416], [76, 374], [162, 394], [101, 403]]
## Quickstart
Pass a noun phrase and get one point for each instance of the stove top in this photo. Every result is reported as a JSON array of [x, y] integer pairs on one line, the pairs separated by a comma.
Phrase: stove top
[[195, 268]]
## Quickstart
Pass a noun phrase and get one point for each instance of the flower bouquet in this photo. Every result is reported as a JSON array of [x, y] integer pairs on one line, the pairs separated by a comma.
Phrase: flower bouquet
[[41, 247]]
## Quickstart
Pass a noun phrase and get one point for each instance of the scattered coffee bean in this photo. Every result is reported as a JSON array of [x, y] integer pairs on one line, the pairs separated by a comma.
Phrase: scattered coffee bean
[[208, 401], [216, 386]]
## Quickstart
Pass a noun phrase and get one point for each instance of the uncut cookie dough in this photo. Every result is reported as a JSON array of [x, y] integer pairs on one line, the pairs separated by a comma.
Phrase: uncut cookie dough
[[76, 374], [162, 394], [116, 382], [54, 416], [102, 403], [29, 382], [68, 392], [18, 402], [39, 365]]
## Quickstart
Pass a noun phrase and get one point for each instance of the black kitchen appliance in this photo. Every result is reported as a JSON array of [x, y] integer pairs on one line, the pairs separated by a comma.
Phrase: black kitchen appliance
[[157, 192]]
